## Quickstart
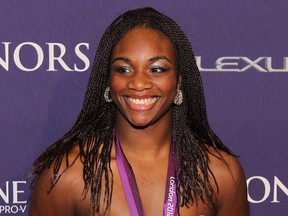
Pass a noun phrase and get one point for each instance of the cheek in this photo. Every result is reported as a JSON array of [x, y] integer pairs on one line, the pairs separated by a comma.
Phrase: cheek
[[116, 84], [169, 86]]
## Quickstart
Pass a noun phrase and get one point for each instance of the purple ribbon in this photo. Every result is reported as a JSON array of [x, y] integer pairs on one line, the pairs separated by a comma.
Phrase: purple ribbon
[[130, 186]]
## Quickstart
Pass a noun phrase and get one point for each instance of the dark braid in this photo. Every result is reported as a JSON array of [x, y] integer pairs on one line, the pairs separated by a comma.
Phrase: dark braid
[[92, 131]]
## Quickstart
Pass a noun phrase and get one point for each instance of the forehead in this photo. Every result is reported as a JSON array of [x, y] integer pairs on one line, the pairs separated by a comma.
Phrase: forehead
[[145, 40]]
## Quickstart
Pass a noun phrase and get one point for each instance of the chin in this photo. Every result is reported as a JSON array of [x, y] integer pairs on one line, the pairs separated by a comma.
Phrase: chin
[[140, 124]]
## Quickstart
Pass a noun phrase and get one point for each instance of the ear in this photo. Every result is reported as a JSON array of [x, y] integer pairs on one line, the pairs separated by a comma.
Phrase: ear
[[179, 82]]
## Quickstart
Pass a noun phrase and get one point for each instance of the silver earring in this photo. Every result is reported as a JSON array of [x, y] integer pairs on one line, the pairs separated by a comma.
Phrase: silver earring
[[178, 100], [106, 95]]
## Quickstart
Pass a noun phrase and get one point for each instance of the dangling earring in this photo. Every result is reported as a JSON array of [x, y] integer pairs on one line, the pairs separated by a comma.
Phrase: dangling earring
[[178, 100], [106, 95]]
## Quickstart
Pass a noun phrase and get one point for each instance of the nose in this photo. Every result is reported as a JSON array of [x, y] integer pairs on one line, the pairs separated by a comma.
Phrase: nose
[[140, 81]]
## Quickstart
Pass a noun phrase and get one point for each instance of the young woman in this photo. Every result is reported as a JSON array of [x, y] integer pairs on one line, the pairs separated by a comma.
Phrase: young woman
[[142, 144]]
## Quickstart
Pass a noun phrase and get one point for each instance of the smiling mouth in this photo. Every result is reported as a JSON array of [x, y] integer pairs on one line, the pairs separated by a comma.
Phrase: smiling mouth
[[144, 101]]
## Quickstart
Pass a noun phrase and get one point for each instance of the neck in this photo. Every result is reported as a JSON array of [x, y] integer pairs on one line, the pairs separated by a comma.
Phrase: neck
[[146, 144]]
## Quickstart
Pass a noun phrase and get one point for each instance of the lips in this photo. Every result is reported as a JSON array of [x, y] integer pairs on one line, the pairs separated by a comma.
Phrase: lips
[[141, 104], [146, 101]]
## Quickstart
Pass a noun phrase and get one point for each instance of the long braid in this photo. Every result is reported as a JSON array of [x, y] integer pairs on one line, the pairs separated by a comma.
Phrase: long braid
[[92, 131]]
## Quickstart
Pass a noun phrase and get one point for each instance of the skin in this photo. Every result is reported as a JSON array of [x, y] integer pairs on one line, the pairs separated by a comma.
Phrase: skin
[[143, 66]]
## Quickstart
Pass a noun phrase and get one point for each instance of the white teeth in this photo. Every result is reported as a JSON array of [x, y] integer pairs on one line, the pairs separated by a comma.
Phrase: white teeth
[[146, 101]]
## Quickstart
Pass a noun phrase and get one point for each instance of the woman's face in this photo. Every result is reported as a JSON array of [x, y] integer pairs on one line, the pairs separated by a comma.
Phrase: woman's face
[[143, 77]]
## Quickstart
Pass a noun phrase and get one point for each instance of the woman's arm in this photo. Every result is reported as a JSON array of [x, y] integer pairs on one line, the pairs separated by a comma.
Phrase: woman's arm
[[230, 177], [63, 198]]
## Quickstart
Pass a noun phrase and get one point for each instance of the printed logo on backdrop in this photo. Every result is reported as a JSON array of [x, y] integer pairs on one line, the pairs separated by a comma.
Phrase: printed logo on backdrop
[[242, 64], [272, 191], [12, 199], [57, 51]]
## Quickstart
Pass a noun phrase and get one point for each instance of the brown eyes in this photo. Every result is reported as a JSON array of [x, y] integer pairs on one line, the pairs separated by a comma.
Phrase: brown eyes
[[123, 70], [158, 69], [126, 70]]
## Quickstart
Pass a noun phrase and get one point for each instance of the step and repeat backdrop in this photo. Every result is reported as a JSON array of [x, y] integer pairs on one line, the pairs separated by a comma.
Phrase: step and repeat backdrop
[[46, 52]]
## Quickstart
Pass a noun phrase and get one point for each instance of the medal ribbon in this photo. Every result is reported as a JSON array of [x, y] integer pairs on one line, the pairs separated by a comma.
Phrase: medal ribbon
[[130, 186]]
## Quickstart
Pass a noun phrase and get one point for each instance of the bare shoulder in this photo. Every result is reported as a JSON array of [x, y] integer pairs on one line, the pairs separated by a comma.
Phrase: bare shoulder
[[224, 164], [232, 191], [65, 195]]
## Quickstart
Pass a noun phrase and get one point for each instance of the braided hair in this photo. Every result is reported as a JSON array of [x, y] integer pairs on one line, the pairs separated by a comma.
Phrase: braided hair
[[93, 129]]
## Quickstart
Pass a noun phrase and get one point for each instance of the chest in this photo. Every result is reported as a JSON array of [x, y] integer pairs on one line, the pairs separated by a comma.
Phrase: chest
[[151, 183]]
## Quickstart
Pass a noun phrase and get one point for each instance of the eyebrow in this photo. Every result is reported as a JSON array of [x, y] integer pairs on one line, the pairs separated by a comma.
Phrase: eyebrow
[[153, 59], [156, 58], [121, 58]]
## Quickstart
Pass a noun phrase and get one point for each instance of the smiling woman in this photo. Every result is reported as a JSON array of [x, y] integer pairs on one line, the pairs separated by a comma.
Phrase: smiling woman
[[142, 144], [143, 78]]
